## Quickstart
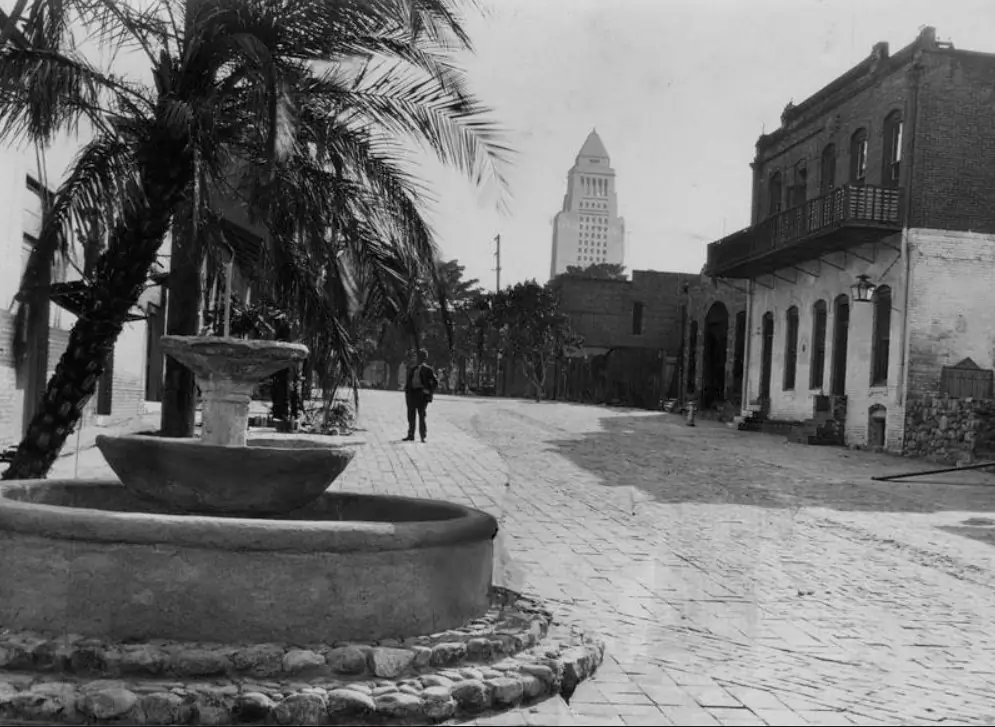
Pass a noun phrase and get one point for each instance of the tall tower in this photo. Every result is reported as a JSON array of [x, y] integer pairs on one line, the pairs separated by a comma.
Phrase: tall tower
[[588, 229]]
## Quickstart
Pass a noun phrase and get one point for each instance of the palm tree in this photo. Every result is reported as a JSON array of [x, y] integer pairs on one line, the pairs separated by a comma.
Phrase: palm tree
[[297, 108]]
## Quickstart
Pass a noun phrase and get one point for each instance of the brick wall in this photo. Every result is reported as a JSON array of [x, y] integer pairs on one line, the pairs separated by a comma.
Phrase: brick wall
[[805, 142], [945, 97], [601, 310], [954, 164]]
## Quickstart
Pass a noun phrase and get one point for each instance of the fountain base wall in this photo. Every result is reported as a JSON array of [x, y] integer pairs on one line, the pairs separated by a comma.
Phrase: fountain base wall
[[147, 575]]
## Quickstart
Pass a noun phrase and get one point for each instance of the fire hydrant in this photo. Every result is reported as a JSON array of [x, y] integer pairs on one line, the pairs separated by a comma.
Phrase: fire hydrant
[[691, 412]]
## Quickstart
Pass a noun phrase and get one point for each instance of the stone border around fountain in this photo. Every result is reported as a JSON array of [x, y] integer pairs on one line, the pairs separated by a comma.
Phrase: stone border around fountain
[[515, 655]]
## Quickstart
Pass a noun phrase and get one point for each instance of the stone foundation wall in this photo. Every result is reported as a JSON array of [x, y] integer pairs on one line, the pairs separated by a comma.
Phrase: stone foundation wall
[[949, 430]]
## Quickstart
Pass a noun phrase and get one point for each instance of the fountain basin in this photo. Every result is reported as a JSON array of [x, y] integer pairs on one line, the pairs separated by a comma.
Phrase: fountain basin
[[94, 559], [223, 480]]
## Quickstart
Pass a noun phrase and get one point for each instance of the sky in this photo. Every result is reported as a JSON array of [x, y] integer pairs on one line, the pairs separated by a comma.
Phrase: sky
[[679, 91]]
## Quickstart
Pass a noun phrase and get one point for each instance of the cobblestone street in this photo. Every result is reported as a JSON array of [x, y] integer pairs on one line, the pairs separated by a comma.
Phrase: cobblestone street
[[738, 579]]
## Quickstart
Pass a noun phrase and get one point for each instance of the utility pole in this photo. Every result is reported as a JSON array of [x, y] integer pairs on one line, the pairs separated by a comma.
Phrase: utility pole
[[497, 289], [497, 256]]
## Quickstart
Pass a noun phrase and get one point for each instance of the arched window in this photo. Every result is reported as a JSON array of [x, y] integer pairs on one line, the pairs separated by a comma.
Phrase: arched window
[[858, 157], [774, 192], [799, 187], [790, 348], [827, 170], [818, 365], [892, 156], [841, 336], [882, 336]]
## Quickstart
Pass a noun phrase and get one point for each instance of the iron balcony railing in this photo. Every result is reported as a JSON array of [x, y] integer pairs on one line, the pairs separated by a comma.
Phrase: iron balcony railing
[[848, 205]]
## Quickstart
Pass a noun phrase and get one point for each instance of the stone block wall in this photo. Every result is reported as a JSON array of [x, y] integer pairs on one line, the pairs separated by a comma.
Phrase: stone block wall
[[949, 430]]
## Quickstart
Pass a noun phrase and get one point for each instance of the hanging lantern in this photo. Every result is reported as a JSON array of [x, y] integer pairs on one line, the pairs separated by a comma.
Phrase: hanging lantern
[[863, 289]]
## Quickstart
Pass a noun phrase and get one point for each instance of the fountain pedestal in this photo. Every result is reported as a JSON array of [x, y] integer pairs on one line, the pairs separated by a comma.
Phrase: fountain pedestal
[[225, 415], [227, 372]]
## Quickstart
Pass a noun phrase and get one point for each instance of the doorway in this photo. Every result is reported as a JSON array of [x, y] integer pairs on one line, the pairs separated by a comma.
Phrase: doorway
[[841, 326], [713, 364], [105, 386], [877, 417], [766, 355]]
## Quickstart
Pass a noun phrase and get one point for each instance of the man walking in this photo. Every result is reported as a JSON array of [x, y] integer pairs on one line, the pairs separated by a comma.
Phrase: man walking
[[418, 390]]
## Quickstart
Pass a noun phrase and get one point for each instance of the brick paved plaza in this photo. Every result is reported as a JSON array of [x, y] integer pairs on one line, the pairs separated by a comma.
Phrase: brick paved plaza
[[738, 579]]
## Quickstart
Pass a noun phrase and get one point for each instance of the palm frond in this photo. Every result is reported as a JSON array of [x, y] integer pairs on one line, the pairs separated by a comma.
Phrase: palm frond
[[449, 122], [102, 185], [10, 29], [123, 26], [46, 92]]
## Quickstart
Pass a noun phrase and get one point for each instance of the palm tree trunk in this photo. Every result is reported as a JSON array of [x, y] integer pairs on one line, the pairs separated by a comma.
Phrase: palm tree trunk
[[179, 398], [119, 279]]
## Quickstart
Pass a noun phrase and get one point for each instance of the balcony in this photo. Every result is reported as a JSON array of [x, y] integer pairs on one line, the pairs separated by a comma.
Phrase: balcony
[[844, 218]]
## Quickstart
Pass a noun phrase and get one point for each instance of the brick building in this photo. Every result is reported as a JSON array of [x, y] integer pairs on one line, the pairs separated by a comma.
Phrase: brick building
[[640, 313], [660, 335], [883, 179]]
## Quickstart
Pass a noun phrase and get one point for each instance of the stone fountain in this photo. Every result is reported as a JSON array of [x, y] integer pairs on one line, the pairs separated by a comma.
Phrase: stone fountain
[[244, 480], [226, 539]]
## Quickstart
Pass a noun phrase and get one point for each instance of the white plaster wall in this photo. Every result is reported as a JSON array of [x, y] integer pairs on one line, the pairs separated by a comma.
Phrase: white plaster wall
[[886, 268], [13, 172], [952, 304]]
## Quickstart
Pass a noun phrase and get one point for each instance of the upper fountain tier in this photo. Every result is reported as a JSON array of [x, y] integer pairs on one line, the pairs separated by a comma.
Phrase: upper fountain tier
[[227, 371], [232, 359]]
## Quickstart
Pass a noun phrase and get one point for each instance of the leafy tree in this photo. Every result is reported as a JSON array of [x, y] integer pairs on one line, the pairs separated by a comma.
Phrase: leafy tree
[[596, 271], [449, 324], [531, 329], [294, 110], [441, 318]]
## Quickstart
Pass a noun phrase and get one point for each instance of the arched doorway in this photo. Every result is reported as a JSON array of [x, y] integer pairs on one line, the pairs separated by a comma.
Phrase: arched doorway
[[877, 417], [713, 362]]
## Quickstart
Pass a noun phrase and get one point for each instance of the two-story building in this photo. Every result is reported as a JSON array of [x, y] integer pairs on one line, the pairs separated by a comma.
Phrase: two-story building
[[870, 260]]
